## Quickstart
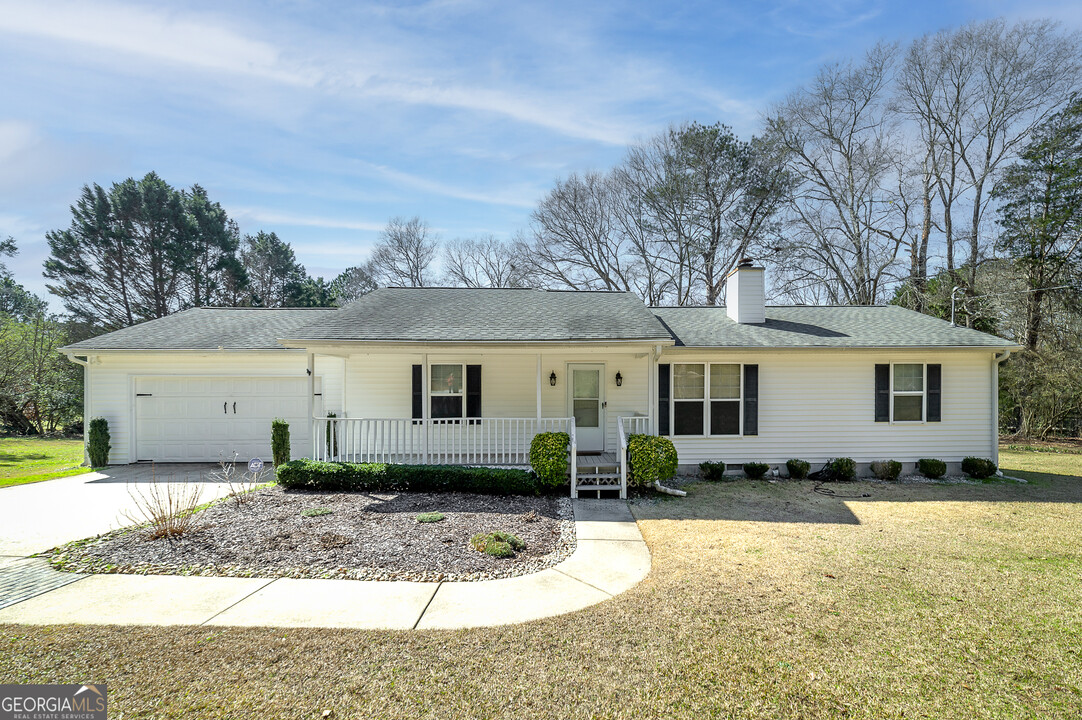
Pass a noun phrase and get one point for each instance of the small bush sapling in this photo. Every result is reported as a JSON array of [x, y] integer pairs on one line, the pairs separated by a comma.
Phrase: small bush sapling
[[978, 468], [931, 468], [798, 469], [887, 469], [755, 470], [712, 471], [430, 517]]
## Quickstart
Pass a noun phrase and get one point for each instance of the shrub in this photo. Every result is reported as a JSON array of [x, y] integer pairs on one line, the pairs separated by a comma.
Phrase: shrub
[[978, 468], [755, 470], [712, 470], [842, 468], [549, 458], [798, 469], [315, 512], [280, 441], [887, 469], [931, 468], [497, 544], [97, 442], [380, 477], [167, 509], [430, 517], [651, 459]]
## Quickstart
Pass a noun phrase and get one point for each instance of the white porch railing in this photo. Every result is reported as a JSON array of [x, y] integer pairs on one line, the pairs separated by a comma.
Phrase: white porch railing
[[466, 441], [625, 426]]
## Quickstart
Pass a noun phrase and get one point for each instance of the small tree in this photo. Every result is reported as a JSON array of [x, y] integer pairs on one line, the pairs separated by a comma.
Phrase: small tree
[[97, 442]]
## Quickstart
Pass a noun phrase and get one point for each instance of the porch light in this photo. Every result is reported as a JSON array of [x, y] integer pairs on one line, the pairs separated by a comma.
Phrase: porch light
[[619, 379], [552, 378]]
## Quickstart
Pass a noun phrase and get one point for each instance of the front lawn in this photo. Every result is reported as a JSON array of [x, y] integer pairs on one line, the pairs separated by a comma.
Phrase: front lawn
[[766, 600], [32, 459]]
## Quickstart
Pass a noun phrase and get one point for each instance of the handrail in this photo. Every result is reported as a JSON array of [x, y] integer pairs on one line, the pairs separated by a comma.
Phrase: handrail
[[622, 438], [574, 447]]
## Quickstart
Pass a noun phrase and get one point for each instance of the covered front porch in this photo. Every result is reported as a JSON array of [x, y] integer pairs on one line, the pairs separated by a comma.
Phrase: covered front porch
[[479, 406]]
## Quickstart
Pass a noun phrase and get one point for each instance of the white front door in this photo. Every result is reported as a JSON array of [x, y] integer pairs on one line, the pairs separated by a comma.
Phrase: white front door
[[199, 419], [586, 403]]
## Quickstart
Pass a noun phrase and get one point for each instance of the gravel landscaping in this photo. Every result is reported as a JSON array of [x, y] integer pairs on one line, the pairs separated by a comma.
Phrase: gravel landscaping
[[360, 536]]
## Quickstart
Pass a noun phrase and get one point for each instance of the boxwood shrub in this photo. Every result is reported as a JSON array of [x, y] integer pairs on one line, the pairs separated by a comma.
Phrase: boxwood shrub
[[887, 469], [798, 469], [375, 477], [650, 459], [279, 441], [931, 468], [978, 468], [842, 468], [549, 458], [97, 442], [755, 470], [712, 470]]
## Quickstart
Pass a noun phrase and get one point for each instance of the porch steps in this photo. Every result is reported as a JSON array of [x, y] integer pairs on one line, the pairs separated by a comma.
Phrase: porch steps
[[597, 474]]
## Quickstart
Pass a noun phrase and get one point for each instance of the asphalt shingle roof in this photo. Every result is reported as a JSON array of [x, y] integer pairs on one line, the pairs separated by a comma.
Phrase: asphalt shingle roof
[[208, 329], [821, 326], [487, 315], [511, 315]]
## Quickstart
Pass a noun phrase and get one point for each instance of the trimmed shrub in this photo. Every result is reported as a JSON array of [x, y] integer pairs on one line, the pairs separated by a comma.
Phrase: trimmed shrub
[[280, 441], [497, 544], [380, 477], [712, 471], [650, 459], [97, 442], [549, 458], [887, 469], [755, 470], [931, 468], [430, 517], [798, 469], [978, 468], [842, 468]]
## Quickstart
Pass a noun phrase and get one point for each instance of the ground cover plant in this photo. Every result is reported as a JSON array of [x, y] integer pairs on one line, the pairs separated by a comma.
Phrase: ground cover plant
[[764, 601], [33, 459]]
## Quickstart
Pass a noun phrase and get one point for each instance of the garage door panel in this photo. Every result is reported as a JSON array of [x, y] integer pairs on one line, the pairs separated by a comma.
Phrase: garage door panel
[[182, 419]]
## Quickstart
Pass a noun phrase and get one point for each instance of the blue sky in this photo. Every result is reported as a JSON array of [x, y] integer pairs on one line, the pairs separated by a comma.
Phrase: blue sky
[[320, 121]]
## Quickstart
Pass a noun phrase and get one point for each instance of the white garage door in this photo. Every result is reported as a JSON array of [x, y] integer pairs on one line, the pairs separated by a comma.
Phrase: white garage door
[[199, 419]]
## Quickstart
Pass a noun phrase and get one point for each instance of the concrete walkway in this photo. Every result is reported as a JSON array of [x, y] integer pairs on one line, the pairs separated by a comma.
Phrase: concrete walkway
[[611, 557]]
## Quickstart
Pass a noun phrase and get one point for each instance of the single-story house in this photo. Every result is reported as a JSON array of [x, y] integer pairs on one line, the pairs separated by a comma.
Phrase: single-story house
[[469, 376]]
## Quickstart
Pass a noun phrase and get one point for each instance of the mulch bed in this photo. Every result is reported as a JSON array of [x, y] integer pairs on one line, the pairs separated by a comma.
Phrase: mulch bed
[[366, 536]]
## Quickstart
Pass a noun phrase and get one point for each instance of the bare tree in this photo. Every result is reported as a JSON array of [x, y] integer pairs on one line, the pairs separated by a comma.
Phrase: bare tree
[[482, 262], [846, 225], [405, 253]]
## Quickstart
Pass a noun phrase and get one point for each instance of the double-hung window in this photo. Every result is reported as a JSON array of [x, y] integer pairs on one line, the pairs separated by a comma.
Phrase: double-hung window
[[707, 398], [446, 390], [907, 392]]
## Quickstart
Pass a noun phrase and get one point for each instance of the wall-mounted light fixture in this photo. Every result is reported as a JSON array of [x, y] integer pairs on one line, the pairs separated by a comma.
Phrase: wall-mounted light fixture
[[552, 378], [619, 379]]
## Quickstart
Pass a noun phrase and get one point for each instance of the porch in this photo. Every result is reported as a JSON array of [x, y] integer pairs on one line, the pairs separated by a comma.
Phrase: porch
[[497, 442]]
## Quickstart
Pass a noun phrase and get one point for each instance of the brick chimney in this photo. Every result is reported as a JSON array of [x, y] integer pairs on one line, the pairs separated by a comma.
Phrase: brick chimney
[[745, 293]]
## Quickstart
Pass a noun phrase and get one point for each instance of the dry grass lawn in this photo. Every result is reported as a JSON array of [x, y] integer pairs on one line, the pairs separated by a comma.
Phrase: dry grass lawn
[[766, 600]]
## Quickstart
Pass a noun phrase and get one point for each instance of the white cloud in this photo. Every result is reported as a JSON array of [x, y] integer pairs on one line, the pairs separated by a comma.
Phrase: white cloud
[[280, 218]]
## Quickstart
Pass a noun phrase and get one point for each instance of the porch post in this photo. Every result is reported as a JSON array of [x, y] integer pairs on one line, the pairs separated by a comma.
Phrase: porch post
[[312, 404], [425, 424], [539, 391]]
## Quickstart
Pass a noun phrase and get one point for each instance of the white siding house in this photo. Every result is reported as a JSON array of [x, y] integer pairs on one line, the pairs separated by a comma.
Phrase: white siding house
[[470, 375]]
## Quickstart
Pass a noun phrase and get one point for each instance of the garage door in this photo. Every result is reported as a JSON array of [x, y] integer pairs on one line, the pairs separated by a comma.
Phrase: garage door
[[199, 419]]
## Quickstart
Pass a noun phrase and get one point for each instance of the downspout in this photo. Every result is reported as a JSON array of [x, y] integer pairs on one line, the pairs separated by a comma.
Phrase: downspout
[[997, 360]]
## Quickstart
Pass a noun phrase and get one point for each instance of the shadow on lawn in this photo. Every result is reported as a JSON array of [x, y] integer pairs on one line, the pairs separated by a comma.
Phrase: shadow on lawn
[[805, 501], [7, 458]]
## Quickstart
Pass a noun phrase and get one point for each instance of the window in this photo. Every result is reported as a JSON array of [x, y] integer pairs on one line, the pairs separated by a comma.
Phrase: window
[[693, 407], [445, 391], [907, 392]]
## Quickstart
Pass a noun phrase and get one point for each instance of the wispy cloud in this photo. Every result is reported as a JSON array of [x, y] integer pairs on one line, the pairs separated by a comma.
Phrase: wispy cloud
[[273, 217]]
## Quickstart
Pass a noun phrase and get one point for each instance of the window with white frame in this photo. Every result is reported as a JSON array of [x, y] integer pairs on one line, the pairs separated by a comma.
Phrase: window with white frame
[[446, 390], [907, 392], [706, 395]]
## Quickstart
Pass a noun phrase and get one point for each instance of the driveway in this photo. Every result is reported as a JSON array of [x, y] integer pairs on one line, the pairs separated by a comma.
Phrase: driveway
[[40, 516]]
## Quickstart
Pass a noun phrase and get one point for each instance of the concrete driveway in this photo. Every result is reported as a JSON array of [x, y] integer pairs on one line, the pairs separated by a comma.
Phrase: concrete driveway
[[40, 516]]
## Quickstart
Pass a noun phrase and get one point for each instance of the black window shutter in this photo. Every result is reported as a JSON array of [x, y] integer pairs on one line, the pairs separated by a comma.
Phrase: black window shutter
[[882, 393], [418, 392], [935, 393], [663, 399], [473, 391], [751, 399]]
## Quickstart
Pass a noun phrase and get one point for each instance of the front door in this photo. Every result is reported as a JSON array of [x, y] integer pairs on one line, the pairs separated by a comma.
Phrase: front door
[[586, 402]]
